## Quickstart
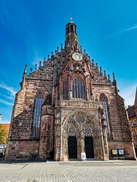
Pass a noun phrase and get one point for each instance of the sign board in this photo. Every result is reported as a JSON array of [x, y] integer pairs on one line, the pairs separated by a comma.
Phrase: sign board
[[121, 152], [114, 152], [83, 155]]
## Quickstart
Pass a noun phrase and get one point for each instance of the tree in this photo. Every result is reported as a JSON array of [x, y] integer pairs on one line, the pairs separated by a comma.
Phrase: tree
[[3, 134]]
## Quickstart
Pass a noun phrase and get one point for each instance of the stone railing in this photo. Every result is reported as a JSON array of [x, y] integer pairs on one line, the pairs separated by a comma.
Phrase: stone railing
[[79, 104]]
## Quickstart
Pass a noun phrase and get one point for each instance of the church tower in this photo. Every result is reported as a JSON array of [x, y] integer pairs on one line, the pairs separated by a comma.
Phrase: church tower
[[69, 108]]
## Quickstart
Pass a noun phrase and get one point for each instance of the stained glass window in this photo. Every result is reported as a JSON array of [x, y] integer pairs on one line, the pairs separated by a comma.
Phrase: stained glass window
[[78, 90], [37, 117], [104, 102], [65, 90]]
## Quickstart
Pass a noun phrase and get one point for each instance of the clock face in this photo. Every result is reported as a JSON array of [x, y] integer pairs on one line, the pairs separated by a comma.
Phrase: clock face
[[77, 56]]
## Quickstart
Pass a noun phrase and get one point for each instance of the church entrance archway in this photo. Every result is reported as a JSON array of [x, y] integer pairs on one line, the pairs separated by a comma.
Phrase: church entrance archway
[[72, 147], [89, 147]]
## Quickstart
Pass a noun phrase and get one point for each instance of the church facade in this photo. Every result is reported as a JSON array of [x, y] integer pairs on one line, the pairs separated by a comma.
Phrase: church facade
[[67, 108]]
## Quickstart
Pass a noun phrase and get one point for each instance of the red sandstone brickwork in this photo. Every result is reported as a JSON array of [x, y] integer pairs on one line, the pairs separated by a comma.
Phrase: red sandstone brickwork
[[58, 116]]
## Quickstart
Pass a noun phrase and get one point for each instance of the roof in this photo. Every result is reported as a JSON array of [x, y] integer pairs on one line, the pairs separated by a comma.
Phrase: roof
[[131, 111]]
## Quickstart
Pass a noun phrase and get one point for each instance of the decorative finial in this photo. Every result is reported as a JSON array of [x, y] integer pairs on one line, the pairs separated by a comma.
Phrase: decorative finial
[[30, 70], [61, 46], [105, 74], [114, 79], [25, 70], [35, 67], [40, 64], [92, 61], [100, 70], [109, 78], [71, 19]]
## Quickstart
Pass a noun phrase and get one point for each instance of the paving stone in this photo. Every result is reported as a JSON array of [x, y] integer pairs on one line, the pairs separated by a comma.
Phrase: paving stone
[[76, 171]]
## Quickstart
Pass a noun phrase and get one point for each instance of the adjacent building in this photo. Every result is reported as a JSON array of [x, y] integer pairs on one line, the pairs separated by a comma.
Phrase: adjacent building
[[67, 108], [132, 115]]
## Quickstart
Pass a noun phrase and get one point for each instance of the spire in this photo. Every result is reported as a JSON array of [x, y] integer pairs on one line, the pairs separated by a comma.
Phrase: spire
[[71, 35], [25, 70], [115, 82]]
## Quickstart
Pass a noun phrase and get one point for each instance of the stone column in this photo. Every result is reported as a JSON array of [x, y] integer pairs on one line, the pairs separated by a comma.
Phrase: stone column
[[57, 144], [104, 129]]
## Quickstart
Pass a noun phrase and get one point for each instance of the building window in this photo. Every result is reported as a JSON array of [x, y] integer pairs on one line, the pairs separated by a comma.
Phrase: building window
[[37, 117], [65, 90], [78, 90], [71, 28], [104, 102]]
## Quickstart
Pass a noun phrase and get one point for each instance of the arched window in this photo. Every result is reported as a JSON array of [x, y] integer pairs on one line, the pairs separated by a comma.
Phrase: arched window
[[65, 90], [78, 90], [71, 28], [104, 102], [39, 100]]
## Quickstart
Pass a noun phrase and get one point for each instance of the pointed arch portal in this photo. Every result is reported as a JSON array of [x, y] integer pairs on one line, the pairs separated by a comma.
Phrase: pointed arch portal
[[81, 133]]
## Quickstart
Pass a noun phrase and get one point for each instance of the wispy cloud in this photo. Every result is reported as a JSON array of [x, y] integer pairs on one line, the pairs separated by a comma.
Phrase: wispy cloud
[[6, 102], [122, 31], [128, 94], [11, 91], [8, 97]]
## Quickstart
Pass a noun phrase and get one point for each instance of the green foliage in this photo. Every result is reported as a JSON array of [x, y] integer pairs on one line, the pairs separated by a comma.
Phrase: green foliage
[[3, 135]]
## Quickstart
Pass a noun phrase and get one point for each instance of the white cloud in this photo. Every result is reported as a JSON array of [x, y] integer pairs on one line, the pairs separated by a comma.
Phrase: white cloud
[[128, 94], [134, 27], [123, 31], [8, 97], [11, 91], [6, 102]]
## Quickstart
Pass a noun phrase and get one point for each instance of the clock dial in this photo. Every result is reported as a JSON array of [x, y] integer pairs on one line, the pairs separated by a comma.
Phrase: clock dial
[[77, 56]]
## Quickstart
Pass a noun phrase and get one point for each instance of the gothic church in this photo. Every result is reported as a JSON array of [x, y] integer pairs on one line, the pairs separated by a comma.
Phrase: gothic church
[[67, 108]]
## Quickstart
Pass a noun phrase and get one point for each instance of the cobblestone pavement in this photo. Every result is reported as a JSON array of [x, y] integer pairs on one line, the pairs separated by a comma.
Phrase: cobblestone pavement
[[71, 171]]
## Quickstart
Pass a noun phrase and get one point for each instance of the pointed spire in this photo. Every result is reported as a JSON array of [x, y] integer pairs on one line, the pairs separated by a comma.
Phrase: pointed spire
[[105, 74], [115, 83], [93, 62], [109, 78], [81, 48], [25, 70], [97, 66], [61, 46], [35, 67], [30, 70], [84, 51], [114, 79], [39, 64], [100, 70]]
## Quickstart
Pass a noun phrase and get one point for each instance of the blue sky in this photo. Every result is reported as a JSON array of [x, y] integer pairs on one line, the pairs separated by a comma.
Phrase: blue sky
[[30, 30]]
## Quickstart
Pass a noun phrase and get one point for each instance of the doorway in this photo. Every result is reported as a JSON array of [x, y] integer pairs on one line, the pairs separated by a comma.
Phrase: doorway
[[72, 147], [89, 148]]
